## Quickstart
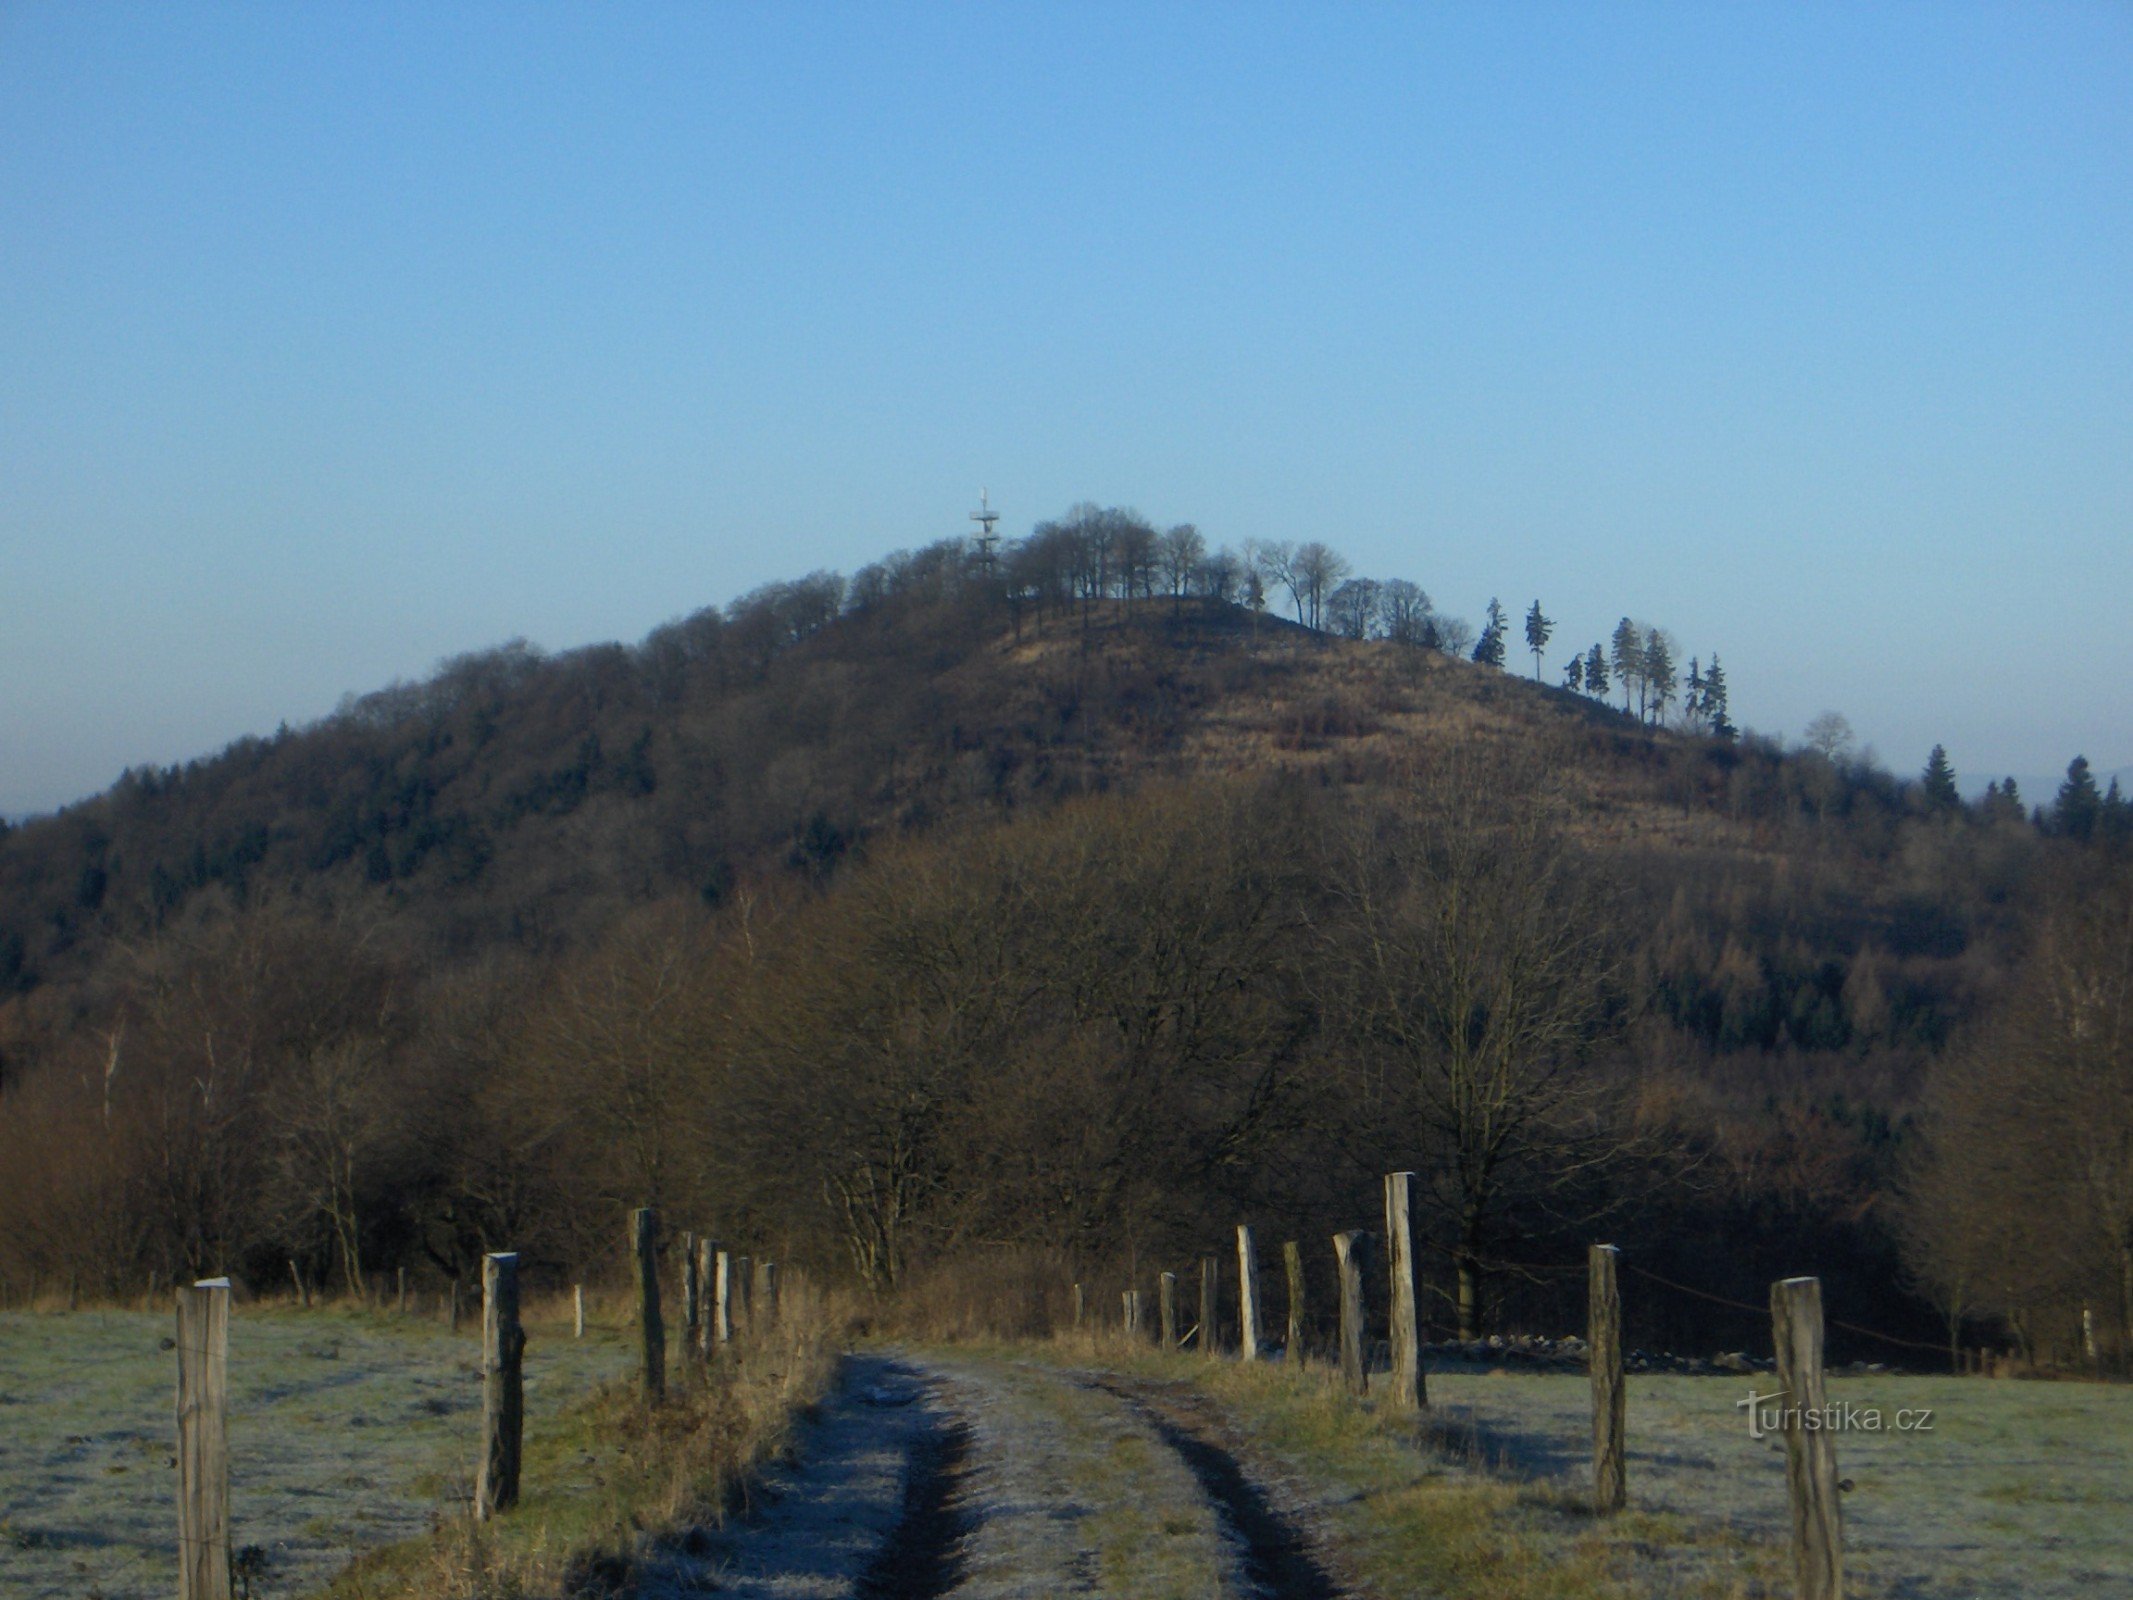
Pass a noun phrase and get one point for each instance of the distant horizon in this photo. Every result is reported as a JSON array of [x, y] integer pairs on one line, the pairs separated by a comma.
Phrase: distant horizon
[[341, 340]]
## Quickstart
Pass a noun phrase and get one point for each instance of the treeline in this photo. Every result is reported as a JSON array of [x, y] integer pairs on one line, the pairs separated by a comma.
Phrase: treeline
[[1110, 1027]]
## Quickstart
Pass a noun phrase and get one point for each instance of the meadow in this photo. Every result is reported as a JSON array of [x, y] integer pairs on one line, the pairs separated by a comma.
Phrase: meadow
[[348, 1429]]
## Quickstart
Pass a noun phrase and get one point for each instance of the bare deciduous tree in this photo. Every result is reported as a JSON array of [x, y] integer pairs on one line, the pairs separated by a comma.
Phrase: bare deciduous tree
[[1477, 966]]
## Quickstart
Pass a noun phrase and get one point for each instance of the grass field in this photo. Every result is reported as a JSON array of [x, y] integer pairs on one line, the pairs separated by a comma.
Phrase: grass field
[[2015, 1489], [348, 1430]]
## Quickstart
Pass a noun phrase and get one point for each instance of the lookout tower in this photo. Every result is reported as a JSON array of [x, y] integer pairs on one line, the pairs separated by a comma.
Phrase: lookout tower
[[985, 517]]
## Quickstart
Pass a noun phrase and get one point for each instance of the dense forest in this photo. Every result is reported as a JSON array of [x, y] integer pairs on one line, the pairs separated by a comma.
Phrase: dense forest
[[1087, 893]]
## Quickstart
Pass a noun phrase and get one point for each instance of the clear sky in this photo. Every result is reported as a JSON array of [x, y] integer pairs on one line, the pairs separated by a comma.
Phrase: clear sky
[[337, 339]]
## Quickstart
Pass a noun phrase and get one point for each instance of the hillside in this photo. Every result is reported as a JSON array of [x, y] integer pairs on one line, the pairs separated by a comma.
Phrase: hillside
[[910, 847], [529, 799]]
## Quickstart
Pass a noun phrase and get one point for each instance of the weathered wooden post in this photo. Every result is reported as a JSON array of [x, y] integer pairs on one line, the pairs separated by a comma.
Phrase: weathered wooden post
[[1247, 1296], [644, 1228], [722, 1301], [1079, 1308], [1166, 1296], [503, 1388], [1603, 1341], [1293, 1262], [690, 1298], [203, 1339], [1409, 1391], [1810, 1453], [1348, 1255], [1210, 1305], [708, 1337], [763, 1298]]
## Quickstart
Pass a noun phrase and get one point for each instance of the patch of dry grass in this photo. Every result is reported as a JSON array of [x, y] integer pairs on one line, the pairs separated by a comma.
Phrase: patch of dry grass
[[613, 1474]]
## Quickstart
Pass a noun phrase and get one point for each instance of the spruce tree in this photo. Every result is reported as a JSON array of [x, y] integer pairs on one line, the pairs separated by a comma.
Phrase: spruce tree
[[1629, 657], [1692, 701], [1596, 673], [1658, 674], [2074, 812], [1489, 648], [1939, 782], [1574, 675], [2114, 821], [1538, 628], [1714, 702]]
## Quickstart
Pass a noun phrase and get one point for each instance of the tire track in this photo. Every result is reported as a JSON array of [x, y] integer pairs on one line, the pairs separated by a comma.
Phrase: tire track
[[1279, 1560], [922, 1558]]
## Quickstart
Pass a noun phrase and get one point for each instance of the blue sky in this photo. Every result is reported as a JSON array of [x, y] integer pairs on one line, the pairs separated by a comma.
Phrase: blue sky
[[334, 340]]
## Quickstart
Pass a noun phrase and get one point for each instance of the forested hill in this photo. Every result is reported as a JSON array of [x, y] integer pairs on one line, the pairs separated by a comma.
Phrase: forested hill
[[525, 798], [958, 813]]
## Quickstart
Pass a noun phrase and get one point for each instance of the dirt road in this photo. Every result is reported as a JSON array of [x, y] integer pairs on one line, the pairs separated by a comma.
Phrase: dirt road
[[928, 1475]]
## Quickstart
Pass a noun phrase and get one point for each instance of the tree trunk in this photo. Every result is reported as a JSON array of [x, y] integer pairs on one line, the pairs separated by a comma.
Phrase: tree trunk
[[1469, 1291]]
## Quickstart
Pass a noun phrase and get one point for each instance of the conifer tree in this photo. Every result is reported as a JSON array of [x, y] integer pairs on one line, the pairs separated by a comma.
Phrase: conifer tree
[[1629, 657], [1596, 673], [1658, 674], [1489, 648], [1692, 699], [2074, 812], [2115, 820], [1939, 780], [1538, 628], [1574, 675], [1714, 702]]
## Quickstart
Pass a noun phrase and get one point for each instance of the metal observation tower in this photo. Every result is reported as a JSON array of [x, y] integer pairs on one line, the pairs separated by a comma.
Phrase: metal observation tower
[[985, 517]]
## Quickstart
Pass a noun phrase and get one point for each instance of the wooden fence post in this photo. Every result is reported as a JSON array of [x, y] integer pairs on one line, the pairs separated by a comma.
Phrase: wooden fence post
[[1347, 1254], [503, 1388], [203, 1338], [1409, 1387], [1292, 1261], [1603, 1341], [644, 1228], [1247, 1296], [1810, 1454], [1166, 1295], [1079, 1308], [691, 1297], [577, 1310], [722, 1300], [1210, 1305], [708, 1337]]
